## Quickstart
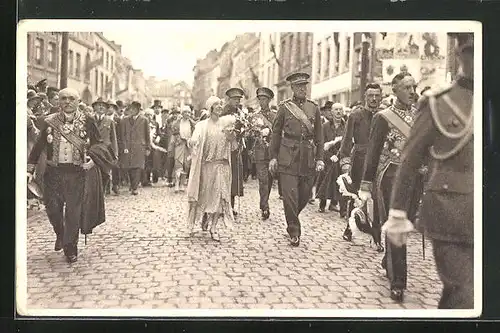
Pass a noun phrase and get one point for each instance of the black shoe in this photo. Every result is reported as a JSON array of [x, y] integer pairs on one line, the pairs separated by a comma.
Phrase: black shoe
[[108, 191], [115, 189], [235, 213], [333, 208], [71, 258], [58, 246], [265, 214], [204, 223], [311, 201], [379, 248], [397, 295], [321, 209], [147, 185], [295, 241], [347, 236], [135, 192]]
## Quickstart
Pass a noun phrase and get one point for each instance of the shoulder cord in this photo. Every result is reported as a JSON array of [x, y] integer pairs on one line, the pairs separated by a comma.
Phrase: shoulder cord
[[465, 135]]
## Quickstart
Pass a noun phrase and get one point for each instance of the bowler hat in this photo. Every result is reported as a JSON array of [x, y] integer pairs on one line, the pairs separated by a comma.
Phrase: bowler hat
[[113, 104], [235, 92], [135, 104], [298, 78], [119, 103], [41, 83], [100, 100], [263, 91], [328, 105]]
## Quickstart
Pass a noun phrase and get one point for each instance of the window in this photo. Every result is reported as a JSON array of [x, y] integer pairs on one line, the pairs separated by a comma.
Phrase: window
[[51, 55], [71, 66], [96, 82], [337, 51], [107, 60], [309, 45], [319, 60], [328, 55], [87, 69], [102, 84], [348, 53], [78, 65], [29, 47], [291, 55], [39, 51], [112, 61]]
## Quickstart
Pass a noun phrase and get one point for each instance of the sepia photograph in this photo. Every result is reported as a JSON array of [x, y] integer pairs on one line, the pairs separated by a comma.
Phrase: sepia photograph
[[249, 168]]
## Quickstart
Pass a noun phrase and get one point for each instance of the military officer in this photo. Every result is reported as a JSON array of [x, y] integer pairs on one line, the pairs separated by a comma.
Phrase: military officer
[[443, 133], [234, 96], [262, 122], [296, 151], [66, 137]]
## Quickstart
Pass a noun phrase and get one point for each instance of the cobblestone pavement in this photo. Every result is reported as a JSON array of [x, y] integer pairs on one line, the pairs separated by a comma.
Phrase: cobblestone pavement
[[141, 258]]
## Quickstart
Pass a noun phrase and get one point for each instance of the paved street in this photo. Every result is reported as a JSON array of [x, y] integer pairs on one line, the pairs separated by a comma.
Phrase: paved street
[[141, 258]]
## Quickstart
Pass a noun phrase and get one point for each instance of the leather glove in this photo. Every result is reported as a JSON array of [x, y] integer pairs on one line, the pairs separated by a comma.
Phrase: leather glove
[[364, 195], [273, 166], [320, 166], [397, 227]]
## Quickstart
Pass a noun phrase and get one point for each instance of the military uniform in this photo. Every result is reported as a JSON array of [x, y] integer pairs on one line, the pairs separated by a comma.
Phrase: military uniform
[[261, 120], [296, 144], [387, 138], [64, 177], [443, 131]]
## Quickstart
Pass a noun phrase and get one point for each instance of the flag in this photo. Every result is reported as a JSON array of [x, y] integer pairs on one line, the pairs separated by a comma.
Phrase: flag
[[273, 50]]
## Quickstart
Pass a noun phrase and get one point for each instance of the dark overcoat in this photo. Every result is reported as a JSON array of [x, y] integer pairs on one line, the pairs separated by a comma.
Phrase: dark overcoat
[[136, 138]]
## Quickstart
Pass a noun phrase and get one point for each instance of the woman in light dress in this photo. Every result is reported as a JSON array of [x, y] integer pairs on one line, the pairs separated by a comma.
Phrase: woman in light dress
[[209, 187]]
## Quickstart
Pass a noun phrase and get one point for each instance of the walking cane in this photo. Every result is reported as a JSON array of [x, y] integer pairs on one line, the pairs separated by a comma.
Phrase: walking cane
[[423, 245]]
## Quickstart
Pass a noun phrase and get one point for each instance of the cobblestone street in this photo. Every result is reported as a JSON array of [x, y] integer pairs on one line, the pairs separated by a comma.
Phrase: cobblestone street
[[141, 258]]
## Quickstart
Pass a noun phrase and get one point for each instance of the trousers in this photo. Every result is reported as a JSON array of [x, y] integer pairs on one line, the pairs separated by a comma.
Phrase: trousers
[[265, 184], [134, 175], [296, 192], [455, 266], [63, 196]]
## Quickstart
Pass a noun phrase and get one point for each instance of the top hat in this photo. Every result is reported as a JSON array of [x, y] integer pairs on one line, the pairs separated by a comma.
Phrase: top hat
[[156, 103], [328, 105], [298, 78], [263, 91], [235, 92], [119, 103], [100, 100]]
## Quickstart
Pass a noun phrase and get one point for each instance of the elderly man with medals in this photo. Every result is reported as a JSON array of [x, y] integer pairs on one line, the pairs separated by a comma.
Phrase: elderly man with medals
[[443, 134], [73, 146], [296, 151], [390, 130], [262, 124]]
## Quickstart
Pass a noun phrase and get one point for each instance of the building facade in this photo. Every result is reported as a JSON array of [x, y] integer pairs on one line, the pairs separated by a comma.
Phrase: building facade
[[104, 73], [205, 84], [332, 67], [81, 52], [269, 55], [295, 56], [44, 54], [182, 94]]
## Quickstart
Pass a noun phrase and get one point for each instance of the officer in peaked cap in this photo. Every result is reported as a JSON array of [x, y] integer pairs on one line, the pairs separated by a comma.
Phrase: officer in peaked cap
[[41, 86], [296, 151], [233, 106], [442, 136], [262, 122]]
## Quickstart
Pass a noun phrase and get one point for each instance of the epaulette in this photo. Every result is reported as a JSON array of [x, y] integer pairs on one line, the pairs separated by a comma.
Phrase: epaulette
[[438, 91], [309, 100]]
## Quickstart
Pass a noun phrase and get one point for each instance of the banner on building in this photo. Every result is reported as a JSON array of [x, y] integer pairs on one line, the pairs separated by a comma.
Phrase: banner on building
[[392, 67]]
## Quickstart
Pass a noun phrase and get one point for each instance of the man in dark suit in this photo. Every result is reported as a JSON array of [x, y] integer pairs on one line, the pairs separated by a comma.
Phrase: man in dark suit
[[136, 144], [296, 151], [443, 133], [107, 130]]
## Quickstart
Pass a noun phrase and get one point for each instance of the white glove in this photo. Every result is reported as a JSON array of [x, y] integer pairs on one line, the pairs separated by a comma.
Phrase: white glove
[[364, 195], [88, 165], [326, 146], [30, 177], [334, 159], [320, 165], [265, 131], [157, 139]]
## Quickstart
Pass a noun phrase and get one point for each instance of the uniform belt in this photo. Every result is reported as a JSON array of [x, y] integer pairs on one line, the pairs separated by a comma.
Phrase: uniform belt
[[298, 137], [64, 166]]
